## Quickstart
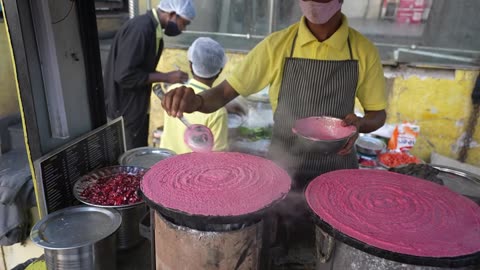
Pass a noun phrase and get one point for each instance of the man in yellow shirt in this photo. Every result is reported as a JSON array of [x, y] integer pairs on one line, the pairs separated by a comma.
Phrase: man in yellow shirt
[[315, 67], [207, 59]]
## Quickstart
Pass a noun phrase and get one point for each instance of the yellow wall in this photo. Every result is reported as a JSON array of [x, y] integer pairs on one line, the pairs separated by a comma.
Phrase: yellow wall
[[8, 92], [437, 100]]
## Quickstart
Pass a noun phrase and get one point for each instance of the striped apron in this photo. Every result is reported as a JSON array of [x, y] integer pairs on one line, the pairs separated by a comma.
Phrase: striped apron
[[311, 88]]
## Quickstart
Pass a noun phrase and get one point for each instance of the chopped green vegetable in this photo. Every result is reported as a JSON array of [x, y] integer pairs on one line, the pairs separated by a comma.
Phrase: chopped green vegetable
[[255, 134]]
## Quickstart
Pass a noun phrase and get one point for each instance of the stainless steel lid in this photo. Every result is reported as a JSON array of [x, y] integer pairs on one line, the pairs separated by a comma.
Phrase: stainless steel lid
[[370, 143], [144, 157], [459, 181], [75, 227]]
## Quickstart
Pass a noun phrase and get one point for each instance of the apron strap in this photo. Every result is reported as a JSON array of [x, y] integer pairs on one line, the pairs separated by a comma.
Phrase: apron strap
[[293, 44], [350, 48]]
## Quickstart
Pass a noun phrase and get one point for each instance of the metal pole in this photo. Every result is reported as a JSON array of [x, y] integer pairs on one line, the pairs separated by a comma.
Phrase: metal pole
[[247, 36], [415, 47], [149, 4], [132, 8], [396, 55], [271, 13]]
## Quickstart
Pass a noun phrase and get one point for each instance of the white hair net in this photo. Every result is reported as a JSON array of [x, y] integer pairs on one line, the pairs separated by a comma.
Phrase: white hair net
[[207, 57], [183, 8]]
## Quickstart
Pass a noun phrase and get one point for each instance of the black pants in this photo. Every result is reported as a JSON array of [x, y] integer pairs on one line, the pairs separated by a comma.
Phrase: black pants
[[136, 135]]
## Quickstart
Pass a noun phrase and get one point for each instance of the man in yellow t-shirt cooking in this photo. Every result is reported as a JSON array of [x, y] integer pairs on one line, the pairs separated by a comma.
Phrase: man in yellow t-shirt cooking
[[207, 59], [315, 67]]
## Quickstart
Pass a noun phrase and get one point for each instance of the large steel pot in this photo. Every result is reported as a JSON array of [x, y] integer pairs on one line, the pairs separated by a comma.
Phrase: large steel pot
[[334, 254], [78, 238], [128, 233], [374, 219]]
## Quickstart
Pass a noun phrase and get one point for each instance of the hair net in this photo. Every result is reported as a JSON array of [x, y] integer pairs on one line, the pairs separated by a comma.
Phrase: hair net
[[207, 57], [183, 8]]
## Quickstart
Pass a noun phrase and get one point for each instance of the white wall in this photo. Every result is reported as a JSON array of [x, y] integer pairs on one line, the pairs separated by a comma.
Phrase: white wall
[[358, 8]]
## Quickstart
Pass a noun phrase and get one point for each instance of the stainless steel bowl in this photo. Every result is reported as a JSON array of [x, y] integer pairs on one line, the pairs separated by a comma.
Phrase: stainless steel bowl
[[129, 232], [324, 146], [370, 146]]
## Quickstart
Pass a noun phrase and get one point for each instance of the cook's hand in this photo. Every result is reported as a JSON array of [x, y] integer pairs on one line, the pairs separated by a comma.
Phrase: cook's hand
[[177, 76], [180, 100], [350, 120]]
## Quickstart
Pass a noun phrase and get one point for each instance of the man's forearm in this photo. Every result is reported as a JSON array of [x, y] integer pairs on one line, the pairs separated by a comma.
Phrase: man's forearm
[[372, 121], [157, 77], [216, 97]]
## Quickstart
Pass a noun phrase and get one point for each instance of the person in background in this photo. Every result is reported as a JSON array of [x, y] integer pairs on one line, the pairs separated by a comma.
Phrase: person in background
[[130, 69], [315, 67], [207, 59]]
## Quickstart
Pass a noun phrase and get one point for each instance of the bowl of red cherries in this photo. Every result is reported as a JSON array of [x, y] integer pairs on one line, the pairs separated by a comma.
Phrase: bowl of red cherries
[[116, 187]]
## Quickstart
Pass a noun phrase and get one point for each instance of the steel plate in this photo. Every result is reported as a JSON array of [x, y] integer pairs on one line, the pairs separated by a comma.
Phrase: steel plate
[[144, 157], [75, 227]]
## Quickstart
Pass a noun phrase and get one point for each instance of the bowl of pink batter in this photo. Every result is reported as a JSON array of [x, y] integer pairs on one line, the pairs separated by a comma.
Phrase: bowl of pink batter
[[322, 133], [397, 217], [222, 187]]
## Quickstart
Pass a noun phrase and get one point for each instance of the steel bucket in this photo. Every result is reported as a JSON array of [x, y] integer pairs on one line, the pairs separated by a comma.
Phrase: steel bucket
[[100, 255], [78, 238], [129, 233]]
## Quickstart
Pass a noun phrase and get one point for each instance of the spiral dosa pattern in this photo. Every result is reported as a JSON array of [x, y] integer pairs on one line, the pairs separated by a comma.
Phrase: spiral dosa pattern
[[215, 184], [397, 213]]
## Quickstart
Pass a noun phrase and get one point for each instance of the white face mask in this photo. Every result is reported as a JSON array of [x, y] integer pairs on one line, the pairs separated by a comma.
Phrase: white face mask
[[319, 13]]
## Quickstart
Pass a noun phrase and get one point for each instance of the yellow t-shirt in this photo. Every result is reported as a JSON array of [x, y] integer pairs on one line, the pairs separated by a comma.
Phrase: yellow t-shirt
[[173, 128], [158, 33], [264, 64]]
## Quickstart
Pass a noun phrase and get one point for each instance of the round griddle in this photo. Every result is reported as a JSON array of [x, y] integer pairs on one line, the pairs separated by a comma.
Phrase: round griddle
[[326, 220], [180, 175], [454, 262], [200, 222]]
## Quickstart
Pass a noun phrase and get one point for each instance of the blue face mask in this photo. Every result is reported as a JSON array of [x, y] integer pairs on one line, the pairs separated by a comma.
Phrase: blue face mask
[[172, 29]]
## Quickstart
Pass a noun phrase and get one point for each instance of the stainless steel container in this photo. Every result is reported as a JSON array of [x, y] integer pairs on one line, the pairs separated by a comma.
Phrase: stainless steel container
[[128, 233], [462, 182], [334, 254], [78, 238], [369, 146], [144, 157]]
